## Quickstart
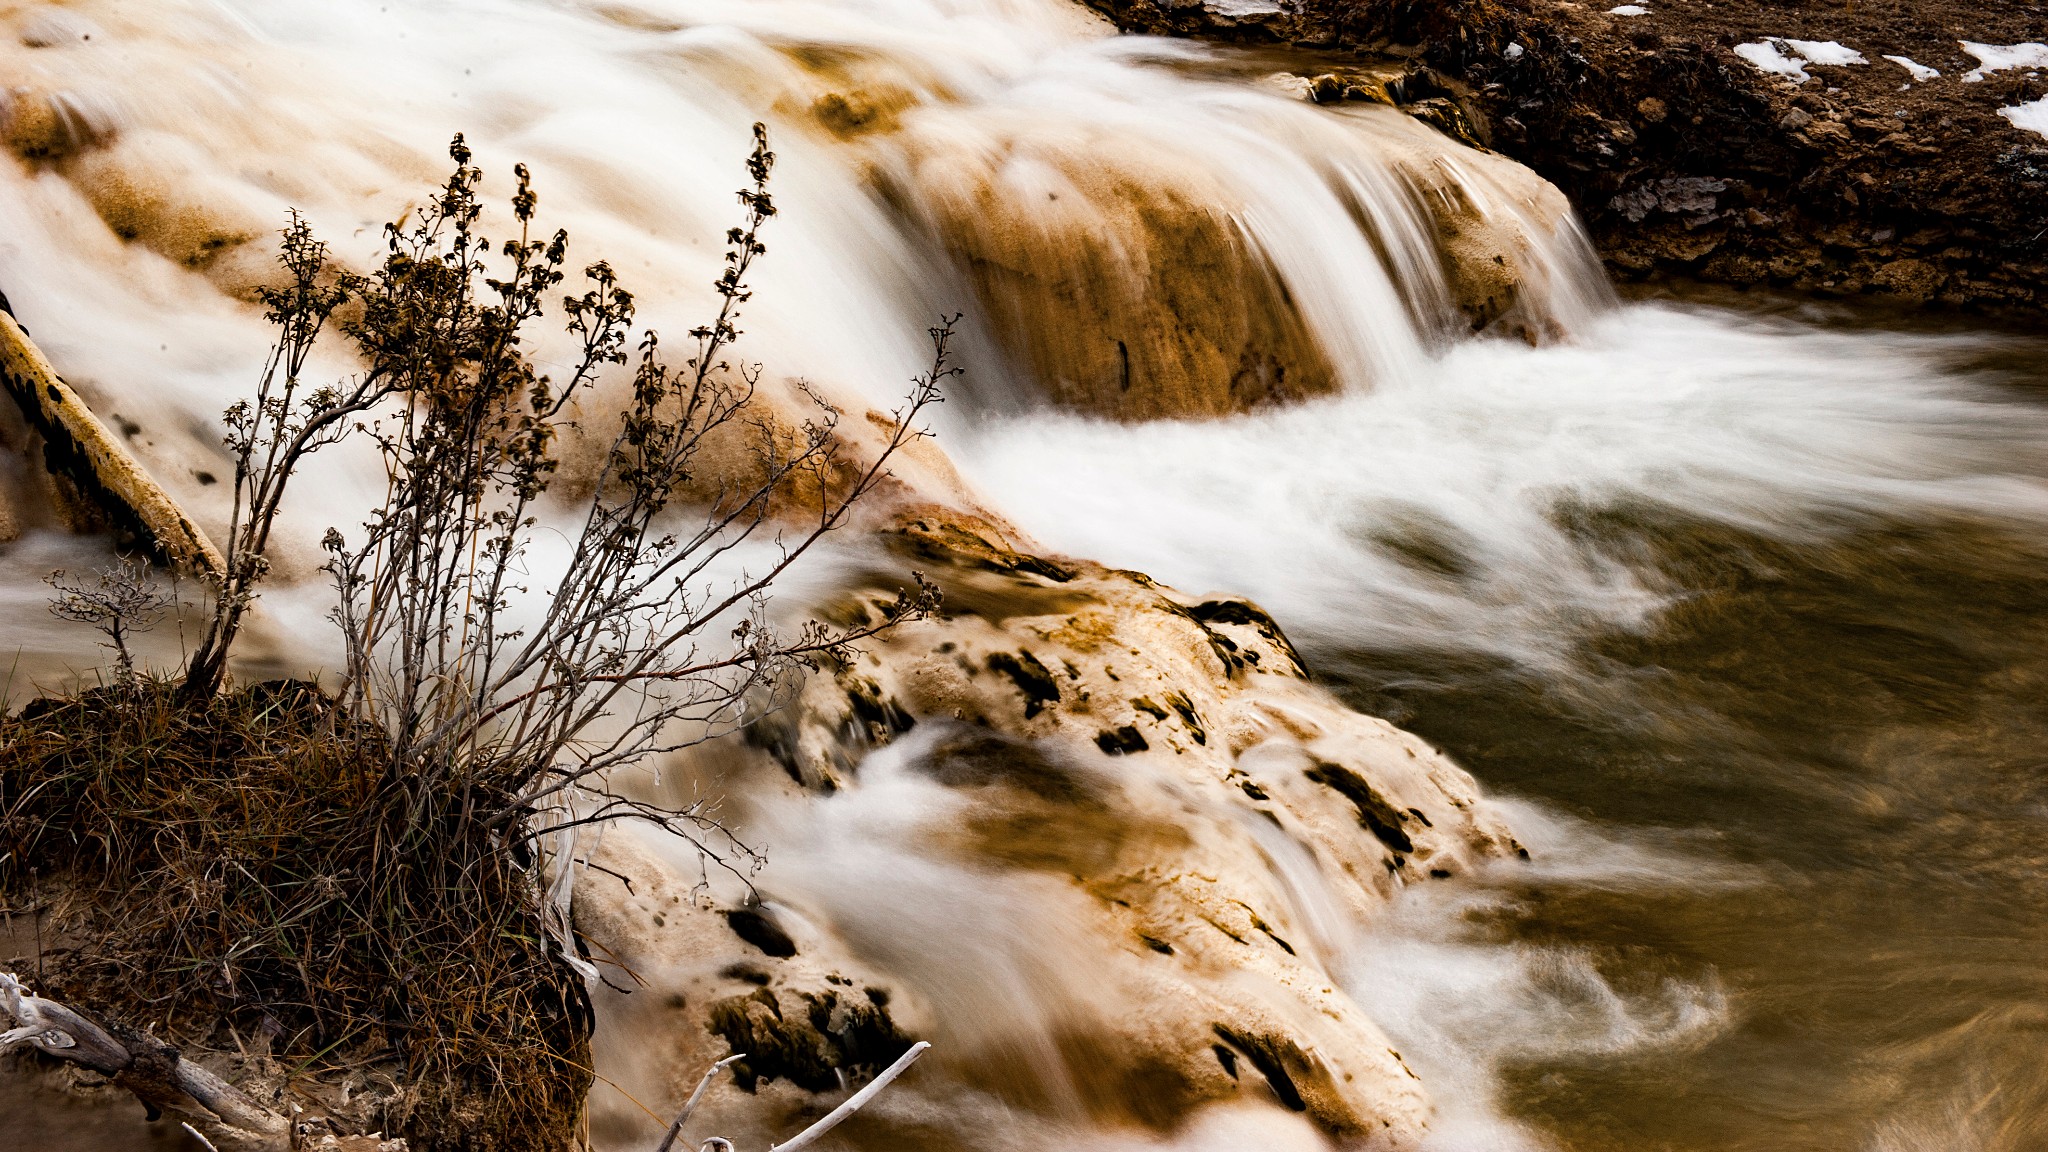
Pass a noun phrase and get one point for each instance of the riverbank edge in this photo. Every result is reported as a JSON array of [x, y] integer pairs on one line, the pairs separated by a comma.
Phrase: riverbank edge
[[1686, 161]]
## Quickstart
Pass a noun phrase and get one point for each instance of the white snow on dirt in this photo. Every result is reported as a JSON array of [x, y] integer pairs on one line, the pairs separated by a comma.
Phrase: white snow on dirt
[[1915, 69], [1628, 10], [1826, 52], [2029, 117], [1999, 57], [1765, 55], [1785, 57], [1239, 9]]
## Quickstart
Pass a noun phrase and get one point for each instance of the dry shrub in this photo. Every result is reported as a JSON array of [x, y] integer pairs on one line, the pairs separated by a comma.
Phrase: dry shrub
[[360, 876], [232, 874]]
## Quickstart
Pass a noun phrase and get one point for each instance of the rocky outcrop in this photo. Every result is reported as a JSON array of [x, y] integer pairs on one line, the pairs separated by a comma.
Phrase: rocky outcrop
[[1115, 272], [1148, 774], [1686, 158], [1498, 227], [81, 450]]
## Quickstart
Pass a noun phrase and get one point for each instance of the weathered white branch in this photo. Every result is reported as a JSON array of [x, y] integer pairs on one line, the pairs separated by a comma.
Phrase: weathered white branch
[[50, 1027], [154, 1072], [809, 1135], [853, 1103], [690, 1105]]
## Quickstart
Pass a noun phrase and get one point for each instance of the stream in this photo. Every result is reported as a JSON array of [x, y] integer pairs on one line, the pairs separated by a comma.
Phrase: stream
[[1733, 603], [1743, 607]]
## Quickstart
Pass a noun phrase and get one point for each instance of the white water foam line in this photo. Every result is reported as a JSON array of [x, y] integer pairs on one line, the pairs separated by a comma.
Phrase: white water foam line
[[1318, 511]]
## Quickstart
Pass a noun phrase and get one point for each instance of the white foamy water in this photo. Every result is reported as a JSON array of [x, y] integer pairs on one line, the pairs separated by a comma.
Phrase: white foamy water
[[211, 120], [1420, 508], [1319, 511]]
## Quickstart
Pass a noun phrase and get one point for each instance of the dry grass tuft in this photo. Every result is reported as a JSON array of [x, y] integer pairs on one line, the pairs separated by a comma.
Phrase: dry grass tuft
[[232, 873]]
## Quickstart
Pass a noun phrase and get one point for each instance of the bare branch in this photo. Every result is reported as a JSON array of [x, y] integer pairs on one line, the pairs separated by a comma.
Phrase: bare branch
[[853, 1104], [690, 1105]]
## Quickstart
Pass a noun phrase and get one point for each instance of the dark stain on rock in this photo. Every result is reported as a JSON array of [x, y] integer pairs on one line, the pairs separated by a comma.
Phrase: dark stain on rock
[[1121, 741], [970, 543], [757, 927], [1188, 716], [1374, 813], [875, 718], [811, 1040], [1239, 613], [1030, 677], [978, 758], [1266, 1056], [747, 973]]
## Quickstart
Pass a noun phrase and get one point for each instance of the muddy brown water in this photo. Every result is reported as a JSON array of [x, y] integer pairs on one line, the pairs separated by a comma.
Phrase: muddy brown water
[[46, 1118], [1858, 730]]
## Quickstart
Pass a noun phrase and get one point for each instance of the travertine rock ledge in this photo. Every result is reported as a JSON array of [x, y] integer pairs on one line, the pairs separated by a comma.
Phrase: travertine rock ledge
[[1150, 771]]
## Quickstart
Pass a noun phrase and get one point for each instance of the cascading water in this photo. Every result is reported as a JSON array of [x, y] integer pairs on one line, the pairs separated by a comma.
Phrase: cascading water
[[1546, 559]]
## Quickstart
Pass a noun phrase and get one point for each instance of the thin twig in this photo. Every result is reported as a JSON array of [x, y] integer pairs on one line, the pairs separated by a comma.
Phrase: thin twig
[[690, 1105]]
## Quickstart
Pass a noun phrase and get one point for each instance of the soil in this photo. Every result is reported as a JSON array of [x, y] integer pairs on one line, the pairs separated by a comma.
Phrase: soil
[[1686, 159]]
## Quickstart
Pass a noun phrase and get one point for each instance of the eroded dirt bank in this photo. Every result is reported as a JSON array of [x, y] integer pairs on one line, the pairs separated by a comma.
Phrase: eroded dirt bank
[[1688, 157]]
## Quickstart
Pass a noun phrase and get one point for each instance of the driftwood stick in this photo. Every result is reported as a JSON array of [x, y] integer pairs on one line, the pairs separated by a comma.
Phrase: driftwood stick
[[690, 1105], [154, 1071], [853, 1103], [51, 1027]]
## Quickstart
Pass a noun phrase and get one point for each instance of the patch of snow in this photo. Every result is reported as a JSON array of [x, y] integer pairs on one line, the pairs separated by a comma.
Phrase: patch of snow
[[2029, 117], [1628, 10], [1826, 53], [1914, 68], [1765, 56], [1789, 58], [1239, 9], [1997, 58], [1512, 52]]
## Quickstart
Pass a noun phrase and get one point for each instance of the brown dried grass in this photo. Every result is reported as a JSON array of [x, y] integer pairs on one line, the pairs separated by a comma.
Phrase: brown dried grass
[[253, 868]]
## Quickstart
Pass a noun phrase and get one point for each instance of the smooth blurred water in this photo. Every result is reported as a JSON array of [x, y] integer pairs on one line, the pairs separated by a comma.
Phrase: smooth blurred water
[[1742, 605], [1750, 610]]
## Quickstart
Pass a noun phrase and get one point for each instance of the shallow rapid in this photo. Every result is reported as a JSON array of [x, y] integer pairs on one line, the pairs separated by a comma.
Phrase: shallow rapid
[[1735, 607], [1744, 605]]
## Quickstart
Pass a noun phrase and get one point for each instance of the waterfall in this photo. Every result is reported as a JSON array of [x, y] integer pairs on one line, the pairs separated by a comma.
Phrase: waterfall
[[1324, 356]]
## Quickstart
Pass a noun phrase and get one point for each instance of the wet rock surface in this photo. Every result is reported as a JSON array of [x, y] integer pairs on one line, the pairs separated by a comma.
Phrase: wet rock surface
[[1111, 766], [1118, 274], [1686, 157]]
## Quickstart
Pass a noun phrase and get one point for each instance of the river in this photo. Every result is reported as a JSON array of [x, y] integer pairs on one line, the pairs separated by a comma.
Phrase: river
[[1733, 603]]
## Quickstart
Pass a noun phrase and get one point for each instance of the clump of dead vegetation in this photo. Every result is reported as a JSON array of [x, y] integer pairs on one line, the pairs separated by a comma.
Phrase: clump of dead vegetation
[[369, 875]]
